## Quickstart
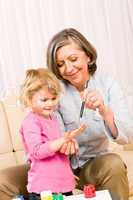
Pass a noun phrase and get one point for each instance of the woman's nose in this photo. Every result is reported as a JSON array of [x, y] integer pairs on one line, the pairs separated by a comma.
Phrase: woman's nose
[[69, 66]]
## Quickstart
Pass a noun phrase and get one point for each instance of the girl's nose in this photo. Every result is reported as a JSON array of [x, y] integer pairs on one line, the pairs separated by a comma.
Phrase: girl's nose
[[51, 102]]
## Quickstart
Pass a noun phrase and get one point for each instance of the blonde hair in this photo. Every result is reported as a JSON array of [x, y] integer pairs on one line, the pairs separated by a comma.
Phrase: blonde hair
[[35, 80]]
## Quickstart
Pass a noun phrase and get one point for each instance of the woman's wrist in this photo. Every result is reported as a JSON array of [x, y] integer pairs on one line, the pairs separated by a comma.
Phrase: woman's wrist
[[108, 117], [104, 111]]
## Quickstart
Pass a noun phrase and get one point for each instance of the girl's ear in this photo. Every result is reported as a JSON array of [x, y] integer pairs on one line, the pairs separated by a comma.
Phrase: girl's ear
[[29, 103]]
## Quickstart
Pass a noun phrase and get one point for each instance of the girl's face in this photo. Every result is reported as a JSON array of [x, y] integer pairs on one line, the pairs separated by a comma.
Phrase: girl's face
[[73, 64], [43, 102]]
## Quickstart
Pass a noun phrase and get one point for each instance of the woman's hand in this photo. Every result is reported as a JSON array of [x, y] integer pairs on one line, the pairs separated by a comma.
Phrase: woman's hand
[[94, 101]]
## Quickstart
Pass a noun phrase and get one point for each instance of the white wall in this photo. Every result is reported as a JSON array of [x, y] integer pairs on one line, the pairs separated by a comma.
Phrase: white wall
[[26, 26]]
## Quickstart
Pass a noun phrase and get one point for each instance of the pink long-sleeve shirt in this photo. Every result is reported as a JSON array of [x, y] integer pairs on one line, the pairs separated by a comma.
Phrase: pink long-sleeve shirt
[[49, 170]]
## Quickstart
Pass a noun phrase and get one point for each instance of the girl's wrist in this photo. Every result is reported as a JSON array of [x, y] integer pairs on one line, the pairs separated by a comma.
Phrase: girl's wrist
[[56, 144]]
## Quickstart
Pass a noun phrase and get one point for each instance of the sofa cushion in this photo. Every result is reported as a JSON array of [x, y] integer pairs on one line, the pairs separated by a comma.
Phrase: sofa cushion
[[5, 140], [15, 115], [7, 160], [126, 154], [20, 157]]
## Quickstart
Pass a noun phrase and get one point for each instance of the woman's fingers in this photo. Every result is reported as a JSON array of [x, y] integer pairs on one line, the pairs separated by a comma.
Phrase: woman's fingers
[[94, 100]]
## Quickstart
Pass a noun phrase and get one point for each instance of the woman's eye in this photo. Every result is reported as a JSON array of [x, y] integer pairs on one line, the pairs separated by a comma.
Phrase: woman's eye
[[73, 59], [60, 64]]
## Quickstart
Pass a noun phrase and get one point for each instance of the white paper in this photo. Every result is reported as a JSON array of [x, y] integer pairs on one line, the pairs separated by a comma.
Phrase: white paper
[[100, 195]]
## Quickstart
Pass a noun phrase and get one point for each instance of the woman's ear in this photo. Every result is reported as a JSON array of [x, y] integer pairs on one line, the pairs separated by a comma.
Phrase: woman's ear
[[89, 60]]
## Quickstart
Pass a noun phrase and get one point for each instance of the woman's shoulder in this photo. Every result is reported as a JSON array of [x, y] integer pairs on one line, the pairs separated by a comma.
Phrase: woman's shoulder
[[67, 89], [103, 76], [103, 79]]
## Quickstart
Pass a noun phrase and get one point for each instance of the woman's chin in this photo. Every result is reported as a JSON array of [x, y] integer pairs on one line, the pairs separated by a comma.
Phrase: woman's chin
[[76, 81]]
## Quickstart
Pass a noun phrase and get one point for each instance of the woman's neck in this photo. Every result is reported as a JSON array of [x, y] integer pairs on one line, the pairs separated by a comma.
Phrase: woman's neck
[[80, 87]]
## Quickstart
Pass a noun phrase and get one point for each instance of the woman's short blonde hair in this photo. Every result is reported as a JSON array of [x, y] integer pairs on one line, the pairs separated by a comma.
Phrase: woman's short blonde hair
[[35, 80]]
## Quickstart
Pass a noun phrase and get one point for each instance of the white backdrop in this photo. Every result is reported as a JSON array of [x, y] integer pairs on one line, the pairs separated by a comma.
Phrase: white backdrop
[[26, 26]]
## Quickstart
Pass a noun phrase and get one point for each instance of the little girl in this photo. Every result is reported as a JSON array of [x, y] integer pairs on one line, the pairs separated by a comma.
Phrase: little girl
[[41, 135]]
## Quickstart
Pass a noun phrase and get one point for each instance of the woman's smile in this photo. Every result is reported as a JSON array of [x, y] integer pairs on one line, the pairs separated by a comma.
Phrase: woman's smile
[[73, 74]]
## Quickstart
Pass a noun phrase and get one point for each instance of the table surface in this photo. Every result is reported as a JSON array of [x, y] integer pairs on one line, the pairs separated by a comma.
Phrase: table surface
[[100, 195]]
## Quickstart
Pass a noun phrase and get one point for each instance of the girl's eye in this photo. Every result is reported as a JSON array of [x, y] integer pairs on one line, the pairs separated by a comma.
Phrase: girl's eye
[[54, 98], [43, 100]]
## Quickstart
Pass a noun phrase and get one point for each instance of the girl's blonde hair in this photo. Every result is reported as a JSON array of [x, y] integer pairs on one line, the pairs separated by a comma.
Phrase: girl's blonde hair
[[35, 80]]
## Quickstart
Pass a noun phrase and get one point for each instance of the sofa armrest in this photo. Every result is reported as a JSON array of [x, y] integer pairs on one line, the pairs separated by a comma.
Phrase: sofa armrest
[[126, 153], [13, 181]]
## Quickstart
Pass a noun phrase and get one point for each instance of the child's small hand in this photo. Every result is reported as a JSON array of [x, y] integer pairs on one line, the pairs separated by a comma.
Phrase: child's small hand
[[69, 148], [57, 143], [67, 144], [76, 132], [76, 180]]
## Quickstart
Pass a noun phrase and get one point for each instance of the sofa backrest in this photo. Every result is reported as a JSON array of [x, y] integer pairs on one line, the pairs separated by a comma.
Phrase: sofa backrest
[[11, 149]]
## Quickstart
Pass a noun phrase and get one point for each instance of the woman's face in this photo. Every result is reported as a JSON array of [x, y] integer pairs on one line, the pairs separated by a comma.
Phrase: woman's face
[[73, 64]]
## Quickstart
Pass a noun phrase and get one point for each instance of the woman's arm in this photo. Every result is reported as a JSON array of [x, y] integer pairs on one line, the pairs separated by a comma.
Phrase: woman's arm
[[95, 102], [113, 110]]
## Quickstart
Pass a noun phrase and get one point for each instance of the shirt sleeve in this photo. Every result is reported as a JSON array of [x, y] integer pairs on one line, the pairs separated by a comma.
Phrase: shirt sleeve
[[122, 118], [32, 139]]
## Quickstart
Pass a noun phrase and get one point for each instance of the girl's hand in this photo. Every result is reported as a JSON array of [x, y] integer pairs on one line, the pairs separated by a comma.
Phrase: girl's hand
[[76, 180], [67, 144], [72, 134], [70, 148], [56, 144]]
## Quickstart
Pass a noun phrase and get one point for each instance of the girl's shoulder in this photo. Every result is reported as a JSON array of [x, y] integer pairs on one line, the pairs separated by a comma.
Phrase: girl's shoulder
[[30, 118]]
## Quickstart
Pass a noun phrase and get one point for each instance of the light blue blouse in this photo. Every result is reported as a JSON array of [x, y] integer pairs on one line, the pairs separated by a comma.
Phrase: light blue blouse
[[95, 139]]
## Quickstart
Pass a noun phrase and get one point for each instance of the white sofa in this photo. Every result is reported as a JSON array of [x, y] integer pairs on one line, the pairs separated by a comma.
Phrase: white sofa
[[11, 150]]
